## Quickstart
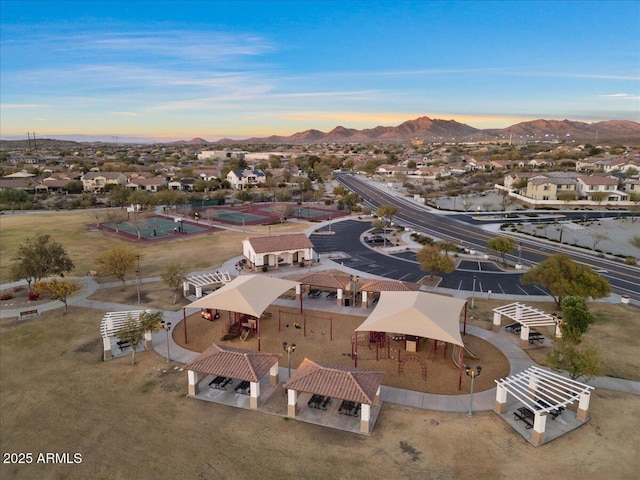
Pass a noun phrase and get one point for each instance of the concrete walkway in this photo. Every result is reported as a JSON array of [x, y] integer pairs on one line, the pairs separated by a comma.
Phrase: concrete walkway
[[482, 401]]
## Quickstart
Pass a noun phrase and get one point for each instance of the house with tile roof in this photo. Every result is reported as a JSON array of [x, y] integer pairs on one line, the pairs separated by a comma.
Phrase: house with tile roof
[[250, 177], [275, 250]]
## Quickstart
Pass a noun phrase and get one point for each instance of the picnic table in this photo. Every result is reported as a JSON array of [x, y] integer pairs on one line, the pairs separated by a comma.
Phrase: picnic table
[[514, 328], [348, 407], [220, 382], [319, 401], [122, 344], [315, 293], [535, 337], [526, 415], [244, 387], [554, 413]]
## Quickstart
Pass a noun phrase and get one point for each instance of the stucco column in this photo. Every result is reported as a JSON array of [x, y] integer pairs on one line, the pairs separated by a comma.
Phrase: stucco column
[[365, 417], [500, 405], [376, 399], [292, 402], [106, 342], [339, 301], [274, 375], [255, 394], [148, 341], [583, 407], [193, 383], [524, 336], [298, 291], [539, 425], [198, 292], [185, 288], [497, 322], [365, 302]]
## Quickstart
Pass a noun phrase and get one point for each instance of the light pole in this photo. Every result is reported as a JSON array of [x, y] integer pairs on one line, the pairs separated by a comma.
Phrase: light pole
[[239, 268], [473, 295], [519, 253], [473, 374], [289, 349], [166, 326], [138, 278]]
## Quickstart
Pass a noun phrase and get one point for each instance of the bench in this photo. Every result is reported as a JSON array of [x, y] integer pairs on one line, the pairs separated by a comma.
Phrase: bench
[[122, 344], [315, 293], [315, 401], [29, 313], [526, 415]]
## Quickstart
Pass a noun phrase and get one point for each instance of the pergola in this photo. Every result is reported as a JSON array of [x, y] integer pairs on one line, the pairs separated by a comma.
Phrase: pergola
[[543, 392], [235, 363], [204, 280], [114, 321], [335, 381], [527, 317]]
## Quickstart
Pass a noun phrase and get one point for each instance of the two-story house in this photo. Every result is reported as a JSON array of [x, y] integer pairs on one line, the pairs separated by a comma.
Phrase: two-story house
[[250, 177]]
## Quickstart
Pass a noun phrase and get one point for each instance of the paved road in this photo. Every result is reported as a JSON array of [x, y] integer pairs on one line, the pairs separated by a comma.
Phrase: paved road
[[403, 266], [624, 279]]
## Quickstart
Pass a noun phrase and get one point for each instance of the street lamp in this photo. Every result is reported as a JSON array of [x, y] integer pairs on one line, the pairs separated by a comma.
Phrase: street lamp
[[473, 295], [519, 253], [473, 374], [289, 349], [166, 326]]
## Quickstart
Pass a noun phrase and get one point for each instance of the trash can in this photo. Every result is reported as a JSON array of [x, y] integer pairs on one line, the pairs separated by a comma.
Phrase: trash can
[[346, 302]]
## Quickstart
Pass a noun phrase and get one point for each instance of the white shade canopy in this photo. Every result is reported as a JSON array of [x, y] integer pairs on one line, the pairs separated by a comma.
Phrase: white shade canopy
[[419, 314], [249, 294]]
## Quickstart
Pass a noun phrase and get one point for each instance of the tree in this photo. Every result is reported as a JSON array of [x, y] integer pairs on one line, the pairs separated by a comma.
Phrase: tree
[[282, 210], [117, 260], [119, 195], [635, 208], [576, 318], [174, 275], [502, 245], [58, 289], [40, 257], [578, 359], [14, 198], [138, 222], [116, 216], [386, 212], [597, 237], [563, 277], [635, 241], [133, 330], [433, 259]]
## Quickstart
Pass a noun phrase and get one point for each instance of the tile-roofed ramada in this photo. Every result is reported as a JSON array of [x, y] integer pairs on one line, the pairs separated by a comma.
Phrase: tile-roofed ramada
[[336, 381], [389, 286], [325, 280], [233, 362], [279, 243]]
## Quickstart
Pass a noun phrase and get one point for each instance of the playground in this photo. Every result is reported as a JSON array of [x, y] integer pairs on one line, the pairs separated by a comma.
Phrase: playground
[[329, 337]]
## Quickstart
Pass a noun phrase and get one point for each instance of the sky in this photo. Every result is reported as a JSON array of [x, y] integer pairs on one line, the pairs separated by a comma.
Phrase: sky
[[214, 69]]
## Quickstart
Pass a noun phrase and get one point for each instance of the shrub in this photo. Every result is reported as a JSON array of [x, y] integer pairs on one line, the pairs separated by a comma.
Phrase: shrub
[[6, 295], [631, 260], [265, 268]]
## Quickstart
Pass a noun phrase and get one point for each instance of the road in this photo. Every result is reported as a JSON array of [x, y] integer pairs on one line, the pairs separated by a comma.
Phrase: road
[[461, 228]]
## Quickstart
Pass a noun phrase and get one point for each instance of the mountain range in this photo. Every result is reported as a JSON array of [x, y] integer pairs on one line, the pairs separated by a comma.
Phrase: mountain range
[[422, 128], [430, 130]]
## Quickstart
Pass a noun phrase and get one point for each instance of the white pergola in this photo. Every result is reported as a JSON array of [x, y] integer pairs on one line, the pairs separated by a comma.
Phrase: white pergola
[[527, 317], [114, 321], [543, 392], [204, 280]]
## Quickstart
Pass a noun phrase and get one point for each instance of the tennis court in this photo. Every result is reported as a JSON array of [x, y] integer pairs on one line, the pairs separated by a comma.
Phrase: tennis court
[[157, 228]]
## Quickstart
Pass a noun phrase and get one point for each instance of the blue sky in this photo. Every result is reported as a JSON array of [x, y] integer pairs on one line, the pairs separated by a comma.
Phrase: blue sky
[[214, 69]]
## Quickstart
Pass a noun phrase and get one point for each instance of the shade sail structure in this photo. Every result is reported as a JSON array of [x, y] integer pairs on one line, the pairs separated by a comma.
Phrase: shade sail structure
[[249, 294], [419, 314]]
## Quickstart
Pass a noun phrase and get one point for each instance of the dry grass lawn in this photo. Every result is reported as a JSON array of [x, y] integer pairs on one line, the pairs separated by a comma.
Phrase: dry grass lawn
[[136, 423]]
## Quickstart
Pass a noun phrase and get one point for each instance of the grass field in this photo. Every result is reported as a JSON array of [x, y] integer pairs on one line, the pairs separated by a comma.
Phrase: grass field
[[135, 422]]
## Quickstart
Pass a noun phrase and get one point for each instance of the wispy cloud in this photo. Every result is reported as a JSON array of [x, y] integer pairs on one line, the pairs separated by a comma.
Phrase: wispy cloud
[[125, 114], [23, 106], [629, 96]]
